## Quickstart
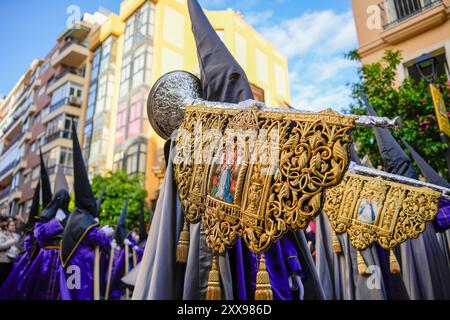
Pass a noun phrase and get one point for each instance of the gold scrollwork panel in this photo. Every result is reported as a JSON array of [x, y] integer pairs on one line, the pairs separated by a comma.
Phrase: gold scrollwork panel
[[372, 210]]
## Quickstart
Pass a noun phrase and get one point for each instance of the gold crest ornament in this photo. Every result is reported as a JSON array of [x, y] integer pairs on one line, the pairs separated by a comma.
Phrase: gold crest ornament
[[250, 171], [375, 210]]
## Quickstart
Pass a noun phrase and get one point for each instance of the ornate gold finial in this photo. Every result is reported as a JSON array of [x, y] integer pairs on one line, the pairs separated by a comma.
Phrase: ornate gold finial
[[263, 287]]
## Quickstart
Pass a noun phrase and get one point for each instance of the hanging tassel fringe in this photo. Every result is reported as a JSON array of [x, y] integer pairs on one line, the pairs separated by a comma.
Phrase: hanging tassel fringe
[[183, 244], [394, 266], [336, 244], [362, 267], [214, 291], [263, 287]]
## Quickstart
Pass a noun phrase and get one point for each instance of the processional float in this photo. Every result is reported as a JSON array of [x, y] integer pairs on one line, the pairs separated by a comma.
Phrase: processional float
[[251, 172]]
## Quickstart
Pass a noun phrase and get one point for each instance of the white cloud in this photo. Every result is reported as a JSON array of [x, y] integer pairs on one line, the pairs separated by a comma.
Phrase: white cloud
[[319, 31], [315, 43]]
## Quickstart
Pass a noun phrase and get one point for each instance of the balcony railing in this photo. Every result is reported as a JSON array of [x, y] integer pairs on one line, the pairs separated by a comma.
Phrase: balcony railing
[[62, 134], [68, 171], [4, 193], [396, 11], [68, 70], [71, 101], [13, 142], [8, 167]]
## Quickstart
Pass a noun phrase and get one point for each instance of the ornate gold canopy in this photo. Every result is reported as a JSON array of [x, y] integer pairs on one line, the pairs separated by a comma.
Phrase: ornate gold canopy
[[374, 210], [268, 195]]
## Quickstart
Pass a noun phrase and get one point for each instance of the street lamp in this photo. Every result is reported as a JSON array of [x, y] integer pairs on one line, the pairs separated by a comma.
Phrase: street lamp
[[427, 67], [426, 64]]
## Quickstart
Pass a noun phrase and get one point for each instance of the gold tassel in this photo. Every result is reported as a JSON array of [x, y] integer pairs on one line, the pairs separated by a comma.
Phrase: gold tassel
[[214, 291], [263, 287], [336, 244], [394, 266], [183, 244], [362, 268]]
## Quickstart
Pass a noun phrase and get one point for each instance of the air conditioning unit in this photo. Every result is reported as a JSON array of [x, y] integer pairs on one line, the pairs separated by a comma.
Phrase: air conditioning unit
[[75, 101]]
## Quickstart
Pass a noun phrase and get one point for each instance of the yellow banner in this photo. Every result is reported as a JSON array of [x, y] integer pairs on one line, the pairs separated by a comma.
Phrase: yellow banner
[[441, 112]]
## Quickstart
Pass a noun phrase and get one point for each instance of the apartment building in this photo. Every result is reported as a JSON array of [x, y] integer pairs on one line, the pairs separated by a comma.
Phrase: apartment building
[[98, 76], [38, 113], [415, 27], [131, 51]]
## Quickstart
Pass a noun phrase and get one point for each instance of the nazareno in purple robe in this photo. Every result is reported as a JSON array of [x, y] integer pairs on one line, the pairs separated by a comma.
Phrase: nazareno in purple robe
[[42, 278], [12, 288], [81, 264], [442, 221], [117, 272]]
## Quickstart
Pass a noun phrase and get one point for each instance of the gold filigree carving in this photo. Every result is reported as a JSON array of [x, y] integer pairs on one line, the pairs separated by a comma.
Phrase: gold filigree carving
[[274, 191], [373, 210]]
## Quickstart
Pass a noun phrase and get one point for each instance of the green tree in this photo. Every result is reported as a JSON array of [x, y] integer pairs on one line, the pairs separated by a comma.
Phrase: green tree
[[119, 186], [410, 100]]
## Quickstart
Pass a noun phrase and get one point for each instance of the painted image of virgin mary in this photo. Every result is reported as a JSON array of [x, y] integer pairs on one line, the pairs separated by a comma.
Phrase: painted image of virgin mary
[[224, 180], [366, 212]]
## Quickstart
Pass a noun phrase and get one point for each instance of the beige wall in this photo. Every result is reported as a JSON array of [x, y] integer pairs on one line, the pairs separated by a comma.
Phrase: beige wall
[[426, 32]]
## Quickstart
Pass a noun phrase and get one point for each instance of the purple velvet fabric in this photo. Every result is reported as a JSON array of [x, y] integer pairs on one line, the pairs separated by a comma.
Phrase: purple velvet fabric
[[42, 278], [118, 271], [281, 261], [81, 266], [12, 288], [442, 221]]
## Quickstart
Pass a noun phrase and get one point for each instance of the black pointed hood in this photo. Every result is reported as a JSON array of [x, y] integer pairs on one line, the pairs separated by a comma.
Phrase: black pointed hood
[[100, 200], [34, 210], [395, 160], [121, 229], [81, 221], [45, 183], [427, 171], [143, 234], [60, 201], [222, 77], [60, 180], [84, 198]]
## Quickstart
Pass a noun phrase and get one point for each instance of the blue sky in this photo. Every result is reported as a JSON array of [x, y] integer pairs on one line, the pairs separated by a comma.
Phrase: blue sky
[[313, 34]]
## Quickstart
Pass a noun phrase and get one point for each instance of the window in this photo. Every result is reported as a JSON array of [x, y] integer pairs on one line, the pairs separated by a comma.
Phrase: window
[[41, 91], [15, 181], [135, 159], [37, 118], [121, 125], [135, 119], [91, 101], [44, 67], [125, 77], [95, 64], [138, 68], [33, 148], [35, 173], [129, 30], [27, 178]]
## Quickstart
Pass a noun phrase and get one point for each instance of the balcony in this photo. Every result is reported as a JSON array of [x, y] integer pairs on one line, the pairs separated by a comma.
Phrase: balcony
[[29, 112], [7, 172], [71, 54], [69, 74], [12, 143], [28, 136], [62, 134], [15, 194], [21, 165], [70, 105], [403, 19], [68, 171], [4, 193]]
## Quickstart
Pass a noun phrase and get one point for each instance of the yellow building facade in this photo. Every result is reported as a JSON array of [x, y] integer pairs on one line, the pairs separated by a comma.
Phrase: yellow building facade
[[166, 44]]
